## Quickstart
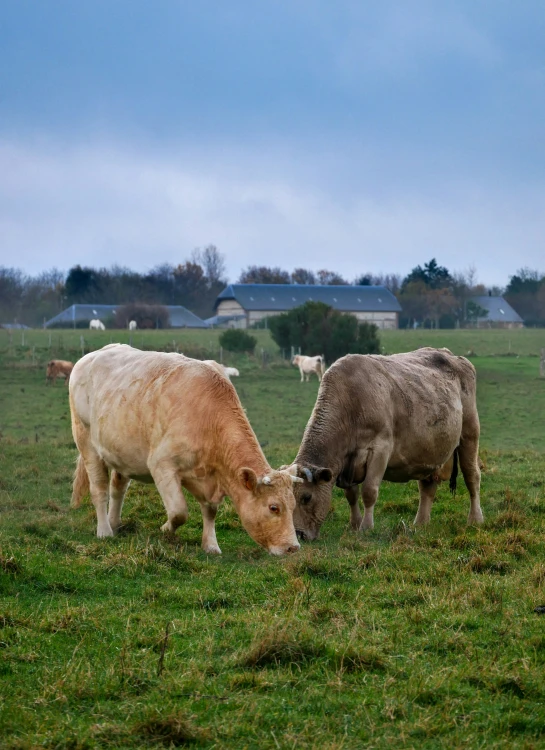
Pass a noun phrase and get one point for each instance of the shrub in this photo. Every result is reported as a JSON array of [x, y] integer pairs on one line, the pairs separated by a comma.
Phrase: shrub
[[319, 329], [146, 316], [235, 340]]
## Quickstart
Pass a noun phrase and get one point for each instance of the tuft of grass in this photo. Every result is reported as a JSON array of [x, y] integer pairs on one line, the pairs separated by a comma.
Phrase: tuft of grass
[[172, 730], [9, 564], [283, 646]]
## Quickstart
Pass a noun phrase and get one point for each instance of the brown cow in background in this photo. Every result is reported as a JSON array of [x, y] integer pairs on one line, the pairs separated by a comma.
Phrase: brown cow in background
[[58, 368]]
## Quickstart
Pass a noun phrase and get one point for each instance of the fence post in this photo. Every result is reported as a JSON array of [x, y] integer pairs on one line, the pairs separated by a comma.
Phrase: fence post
[[82, 344], [50, 339], [262, 358], [22, 338], [542, 364], [33, 355], [221, 355]]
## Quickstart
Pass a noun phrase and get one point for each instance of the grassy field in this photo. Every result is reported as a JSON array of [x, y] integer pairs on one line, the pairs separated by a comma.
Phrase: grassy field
[[394, 638]]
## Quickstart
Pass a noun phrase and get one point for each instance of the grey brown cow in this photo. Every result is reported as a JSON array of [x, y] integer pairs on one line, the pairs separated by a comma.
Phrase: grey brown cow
[[398, 417]]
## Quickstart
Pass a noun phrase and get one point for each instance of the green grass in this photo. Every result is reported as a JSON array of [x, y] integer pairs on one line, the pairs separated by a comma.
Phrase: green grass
[[393, 638]]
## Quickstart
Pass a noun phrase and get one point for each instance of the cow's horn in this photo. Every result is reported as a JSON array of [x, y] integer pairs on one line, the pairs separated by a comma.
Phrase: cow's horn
[[296, 479], [307, 473], [266, 479]]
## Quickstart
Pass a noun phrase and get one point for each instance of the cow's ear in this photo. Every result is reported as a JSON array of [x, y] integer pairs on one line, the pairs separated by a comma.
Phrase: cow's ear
[[248, 477], [322, 475]]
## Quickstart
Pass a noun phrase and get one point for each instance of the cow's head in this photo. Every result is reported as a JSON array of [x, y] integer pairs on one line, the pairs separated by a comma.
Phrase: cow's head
[[312, 497], [266, 510]]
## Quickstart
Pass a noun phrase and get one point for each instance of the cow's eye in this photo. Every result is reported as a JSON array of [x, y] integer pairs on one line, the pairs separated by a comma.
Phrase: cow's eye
[[274, 508], [306, 498]]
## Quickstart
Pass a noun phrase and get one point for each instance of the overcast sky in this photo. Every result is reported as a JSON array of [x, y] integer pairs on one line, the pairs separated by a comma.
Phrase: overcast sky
[[351, 135]]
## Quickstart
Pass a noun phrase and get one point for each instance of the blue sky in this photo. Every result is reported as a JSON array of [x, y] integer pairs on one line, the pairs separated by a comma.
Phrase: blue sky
[[354, 136]]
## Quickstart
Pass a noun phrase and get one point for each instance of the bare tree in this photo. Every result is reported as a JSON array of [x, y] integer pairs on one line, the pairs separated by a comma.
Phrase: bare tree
[[302, 276], [263, 275], [212, 262], [330, 278]]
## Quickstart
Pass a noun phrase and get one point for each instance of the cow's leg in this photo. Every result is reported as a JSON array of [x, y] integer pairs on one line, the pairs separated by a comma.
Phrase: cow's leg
[[97, 472], [375, 468], [209, 541], [118, 487], [468, 454], [168, 483], [427, 489], [98, 488], [352, 495], [302, 374]]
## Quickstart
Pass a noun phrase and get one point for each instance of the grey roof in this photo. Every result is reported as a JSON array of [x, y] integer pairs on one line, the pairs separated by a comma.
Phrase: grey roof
[[499, 311], [180, 317], [281, 297]]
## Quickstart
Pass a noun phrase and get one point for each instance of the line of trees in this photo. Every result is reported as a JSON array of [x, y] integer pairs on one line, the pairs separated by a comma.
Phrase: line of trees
[[430, 295], [195, 284]]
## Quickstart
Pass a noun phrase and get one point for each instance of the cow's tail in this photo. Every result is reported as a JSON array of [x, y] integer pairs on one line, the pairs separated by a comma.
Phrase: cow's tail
[[454, 472], [80, 488]]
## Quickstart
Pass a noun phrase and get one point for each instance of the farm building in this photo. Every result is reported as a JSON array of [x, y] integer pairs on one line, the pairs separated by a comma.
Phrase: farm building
[[500, 313], [76, 315], [241, 305]]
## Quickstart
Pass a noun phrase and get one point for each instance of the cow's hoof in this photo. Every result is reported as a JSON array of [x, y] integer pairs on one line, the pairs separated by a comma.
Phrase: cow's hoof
[[212, 550], [477, 518], [421, 521], [103, 533]]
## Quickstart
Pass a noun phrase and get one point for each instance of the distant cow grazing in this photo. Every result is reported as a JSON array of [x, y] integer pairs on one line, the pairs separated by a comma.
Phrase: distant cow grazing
[[96, 325], [132, 325], [58, 368], [308, 365], [399, 417], [178, 422]]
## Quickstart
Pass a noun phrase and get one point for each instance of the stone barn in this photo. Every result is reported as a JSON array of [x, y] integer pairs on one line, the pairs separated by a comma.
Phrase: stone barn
[[242, 305]]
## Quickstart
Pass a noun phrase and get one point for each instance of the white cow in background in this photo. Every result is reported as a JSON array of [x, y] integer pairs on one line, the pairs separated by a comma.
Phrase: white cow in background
[[229, 372], [132, 325], [307, 365], [96, 325]]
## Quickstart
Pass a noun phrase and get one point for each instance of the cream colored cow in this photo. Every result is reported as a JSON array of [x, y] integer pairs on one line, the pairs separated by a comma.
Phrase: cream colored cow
[[308, 365], [178, 422]]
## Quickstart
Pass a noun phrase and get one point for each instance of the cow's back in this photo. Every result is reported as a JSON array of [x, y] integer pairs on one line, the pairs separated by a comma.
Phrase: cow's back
[[131, 401], [415, 400]]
